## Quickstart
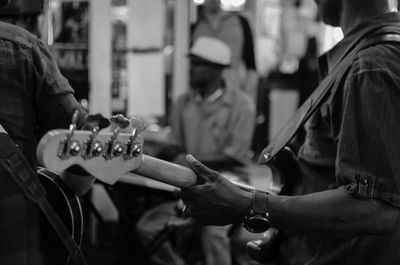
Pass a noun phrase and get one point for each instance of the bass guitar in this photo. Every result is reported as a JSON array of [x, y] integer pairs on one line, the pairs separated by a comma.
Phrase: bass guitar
[[108, 155]]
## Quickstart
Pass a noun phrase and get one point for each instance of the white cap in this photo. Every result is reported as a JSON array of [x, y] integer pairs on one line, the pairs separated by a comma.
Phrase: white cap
[[212, 50]]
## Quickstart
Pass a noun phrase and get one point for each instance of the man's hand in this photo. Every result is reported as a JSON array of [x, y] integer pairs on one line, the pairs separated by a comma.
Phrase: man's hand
[[215, 200]]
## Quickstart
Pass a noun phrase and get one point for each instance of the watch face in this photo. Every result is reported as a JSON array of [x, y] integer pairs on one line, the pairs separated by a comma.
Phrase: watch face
[[257, 224]]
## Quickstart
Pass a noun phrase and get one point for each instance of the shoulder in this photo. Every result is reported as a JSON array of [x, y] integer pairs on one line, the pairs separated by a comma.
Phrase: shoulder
[[374, 76], [16, 34], [240, 99], [375, 60], [382, 51]]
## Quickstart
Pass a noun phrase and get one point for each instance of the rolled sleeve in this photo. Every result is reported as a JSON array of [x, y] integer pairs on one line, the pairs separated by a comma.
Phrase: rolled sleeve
[[368, 134]]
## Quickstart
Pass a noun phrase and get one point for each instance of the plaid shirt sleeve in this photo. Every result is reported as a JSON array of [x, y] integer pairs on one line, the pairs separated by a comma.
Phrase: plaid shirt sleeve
[[54, 96]]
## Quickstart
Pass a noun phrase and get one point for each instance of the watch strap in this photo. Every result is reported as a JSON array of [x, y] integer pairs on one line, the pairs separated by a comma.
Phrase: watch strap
[[260, 203]]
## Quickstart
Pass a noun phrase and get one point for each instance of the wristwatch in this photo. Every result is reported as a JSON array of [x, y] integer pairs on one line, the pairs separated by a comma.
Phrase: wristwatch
[[257, 220]]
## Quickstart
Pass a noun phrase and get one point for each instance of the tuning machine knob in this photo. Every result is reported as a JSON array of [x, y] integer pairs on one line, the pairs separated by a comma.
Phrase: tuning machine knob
[[97, 148], [118, 149], [74, 148], [69, 146], [136, 149], [115, 148], [133, 147]]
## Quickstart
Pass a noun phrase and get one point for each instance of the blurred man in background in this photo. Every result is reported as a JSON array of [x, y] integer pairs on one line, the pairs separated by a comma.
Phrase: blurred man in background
[[215, 122]]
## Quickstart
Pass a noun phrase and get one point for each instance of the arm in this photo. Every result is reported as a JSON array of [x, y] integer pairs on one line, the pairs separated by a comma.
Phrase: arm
[[55, 102], [366, 166], [331, 213], [366, 160]]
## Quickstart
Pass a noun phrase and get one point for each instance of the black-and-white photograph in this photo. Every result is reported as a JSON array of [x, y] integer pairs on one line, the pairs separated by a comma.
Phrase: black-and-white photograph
[[199, 132]]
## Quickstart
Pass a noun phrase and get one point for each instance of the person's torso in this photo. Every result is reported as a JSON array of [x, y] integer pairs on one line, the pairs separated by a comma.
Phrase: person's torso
[[318, 161], [206, 126], [17, 111]]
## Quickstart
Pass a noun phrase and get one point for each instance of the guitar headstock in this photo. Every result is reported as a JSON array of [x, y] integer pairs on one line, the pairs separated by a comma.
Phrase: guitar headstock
[[105, 154]]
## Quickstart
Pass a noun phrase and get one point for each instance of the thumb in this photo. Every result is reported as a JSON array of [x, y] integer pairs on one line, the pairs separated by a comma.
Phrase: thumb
[[200, 169]]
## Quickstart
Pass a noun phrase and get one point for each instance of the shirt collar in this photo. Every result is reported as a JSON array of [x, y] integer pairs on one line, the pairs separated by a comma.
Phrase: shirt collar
[[215, 96]]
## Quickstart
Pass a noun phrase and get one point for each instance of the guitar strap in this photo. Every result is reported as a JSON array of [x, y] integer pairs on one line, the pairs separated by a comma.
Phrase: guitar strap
[[15, 163], [290, 129]]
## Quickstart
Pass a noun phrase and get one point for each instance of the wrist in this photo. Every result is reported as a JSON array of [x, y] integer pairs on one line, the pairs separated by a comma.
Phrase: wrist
[[247, 203], [257, 219]]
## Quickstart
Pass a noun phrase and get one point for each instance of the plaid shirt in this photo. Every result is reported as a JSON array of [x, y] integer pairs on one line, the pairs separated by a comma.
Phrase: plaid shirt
[[34, 98], [353, 143]]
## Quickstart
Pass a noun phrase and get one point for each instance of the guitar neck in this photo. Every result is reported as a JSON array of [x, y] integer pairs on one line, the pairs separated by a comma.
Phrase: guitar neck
[[109, 164], [166, 172], [173, 174]]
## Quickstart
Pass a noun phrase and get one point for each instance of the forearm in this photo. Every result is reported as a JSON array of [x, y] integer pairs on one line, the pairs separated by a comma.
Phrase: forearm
[[331, 213]]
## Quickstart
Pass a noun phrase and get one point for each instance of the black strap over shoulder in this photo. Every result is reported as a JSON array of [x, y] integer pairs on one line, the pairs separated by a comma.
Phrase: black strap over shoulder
[[290, 129], [15, 163]]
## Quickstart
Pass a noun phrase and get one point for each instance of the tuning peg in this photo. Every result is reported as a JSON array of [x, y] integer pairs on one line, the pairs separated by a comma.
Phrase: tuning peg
[[74, 118], [96, 120], [92, 147], [75, 148], [134, 148], [138, 123], [97, 148], [72, 126], [113, 147], [120, 121], [118, 149], [69, 146]]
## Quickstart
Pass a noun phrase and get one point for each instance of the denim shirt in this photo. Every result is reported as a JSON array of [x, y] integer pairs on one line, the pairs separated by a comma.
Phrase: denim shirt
[[34, 98], [353, 144]]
